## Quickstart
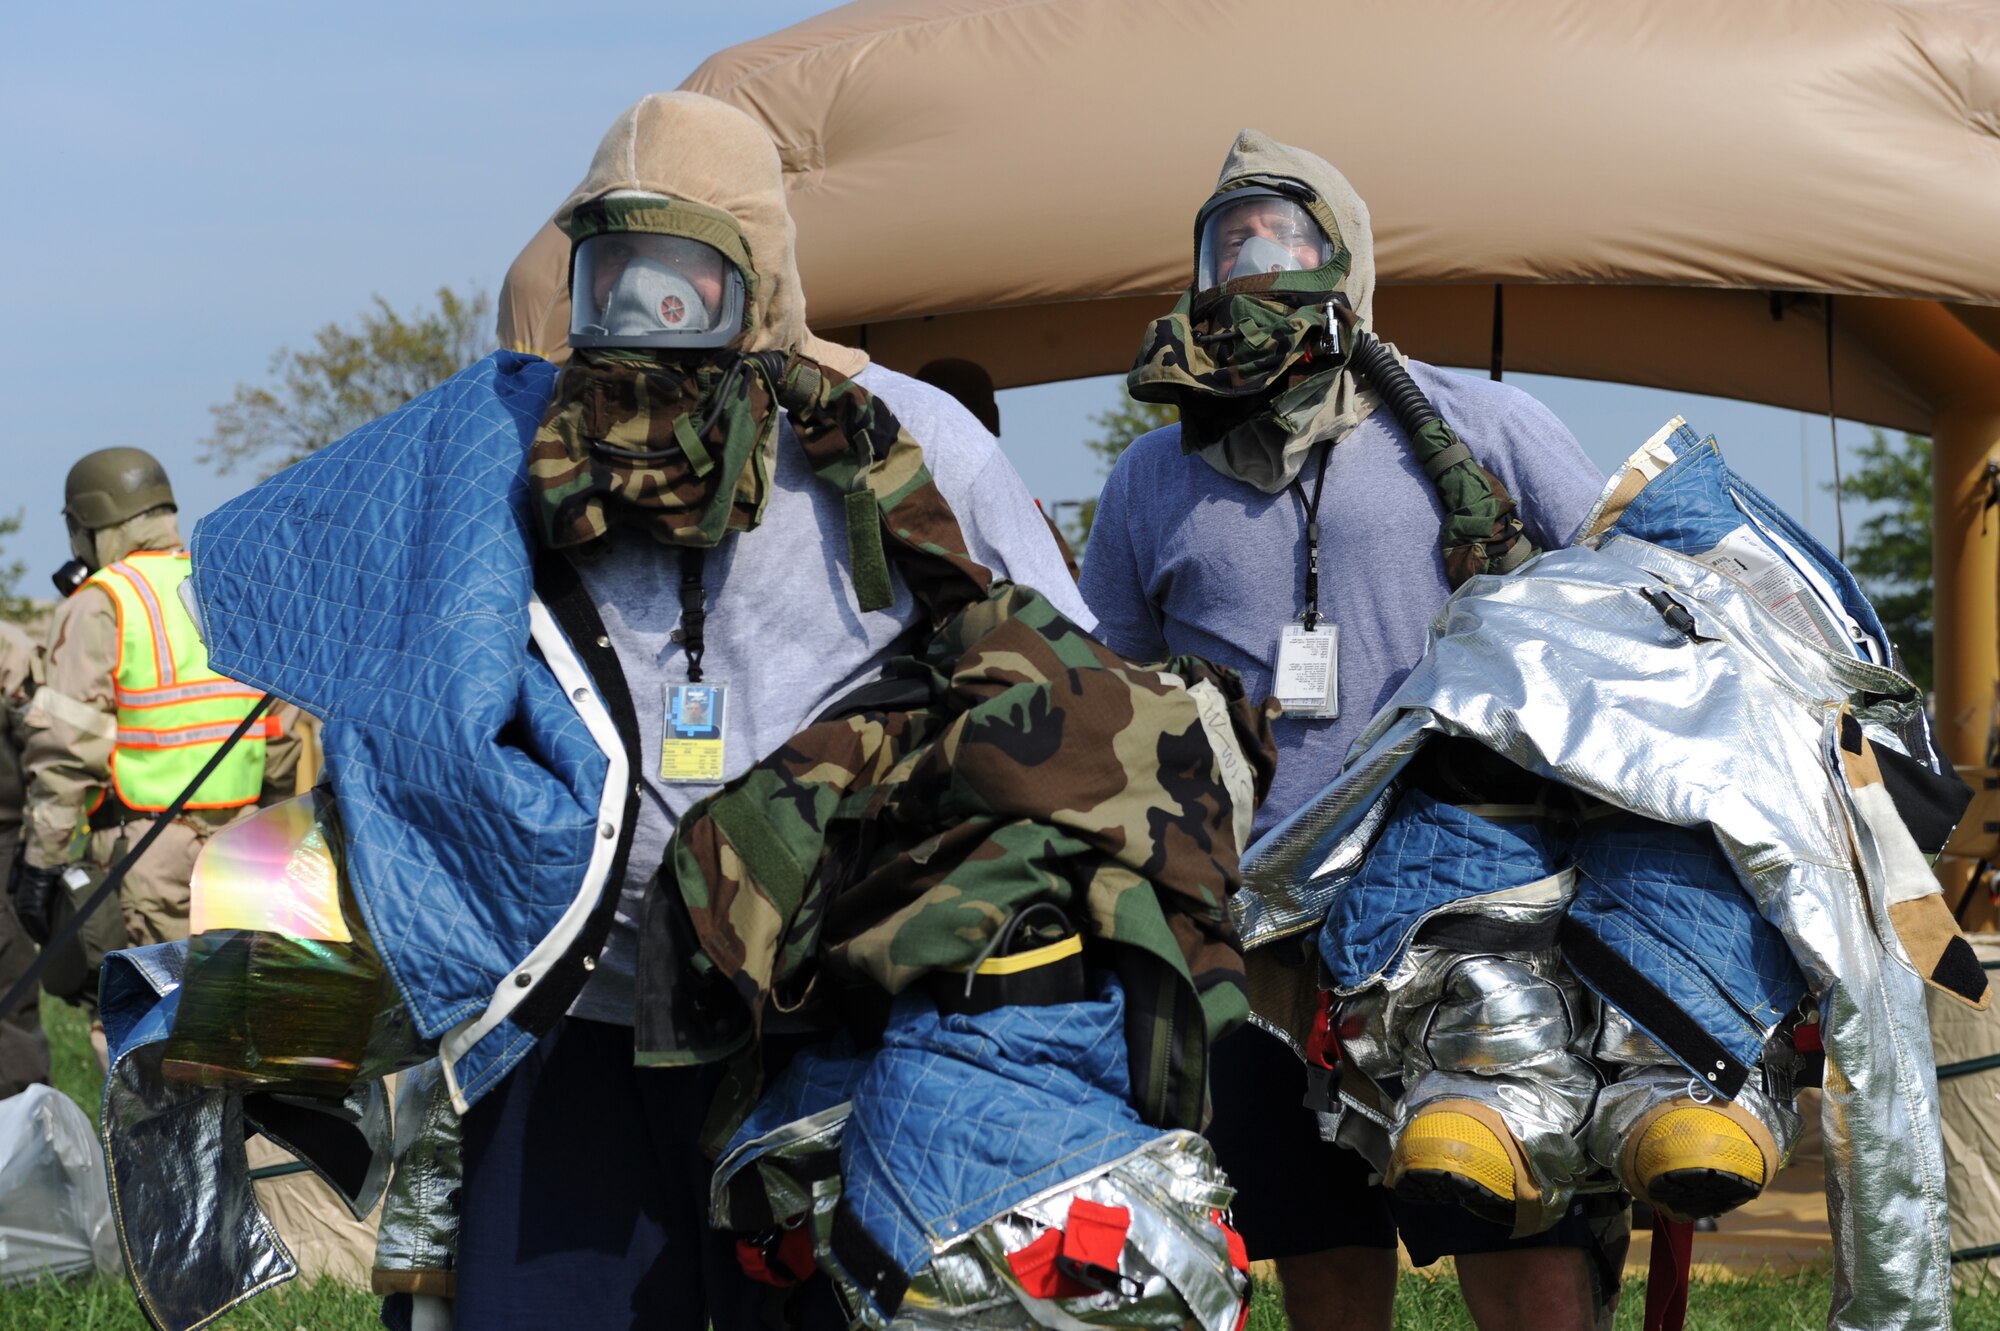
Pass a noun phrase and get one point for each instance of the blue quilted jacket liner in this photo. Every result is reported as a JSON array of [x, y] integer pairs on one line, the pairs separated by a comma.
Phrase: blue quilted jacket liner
[[818, 1077], [959, 1118], [1698, 500], [382, 584], [1666, 898], [1430, 854]]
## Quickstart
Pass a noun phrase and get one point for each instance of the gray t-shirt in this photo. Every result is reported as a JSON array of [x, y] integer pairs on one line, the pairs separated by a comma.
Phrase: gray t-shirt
[[784, 630], [1185, 559]]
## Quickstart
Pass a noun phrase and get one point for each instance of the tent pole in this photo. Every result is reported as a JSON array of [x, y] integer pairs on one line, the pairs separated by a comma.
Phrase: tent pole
[[1965, 436]]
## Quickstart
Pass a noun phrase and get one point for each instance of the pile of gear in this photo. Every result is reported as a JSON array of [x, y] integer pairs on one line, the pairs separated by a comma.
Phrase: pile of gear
[[1646, 829]]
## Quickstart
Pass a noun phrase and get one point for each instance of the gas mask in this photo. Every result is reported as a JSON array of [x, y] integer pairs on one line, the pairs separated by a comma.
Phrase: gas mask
[[1261, 324], [660, 419], [657, 292]]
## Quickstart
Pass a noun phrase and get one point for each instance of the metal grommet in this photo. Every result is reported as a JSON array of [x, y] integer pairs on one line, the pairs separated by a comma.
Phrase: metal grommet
[[1720, 1065], [583, 695], [590, 963], [603, 640], [607, 831], [524, 979]]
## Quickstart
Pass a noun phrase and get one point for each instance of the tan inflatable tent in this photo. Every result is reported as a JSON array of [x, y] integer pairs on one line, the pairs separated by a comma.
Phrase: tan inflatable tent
[[1666, 193]]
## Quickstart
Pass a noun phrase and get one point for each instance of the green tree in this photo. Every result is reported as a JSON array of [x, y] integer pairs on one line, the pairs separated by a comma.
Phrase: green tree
[[1891, 557], [348, 378], [13, 605], [1116, 429]]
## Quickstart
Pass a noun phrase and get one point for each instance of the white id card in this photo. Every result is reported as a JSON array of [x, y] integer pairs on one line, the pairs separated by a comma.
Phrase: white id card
[[691, 743], [1306, 680]]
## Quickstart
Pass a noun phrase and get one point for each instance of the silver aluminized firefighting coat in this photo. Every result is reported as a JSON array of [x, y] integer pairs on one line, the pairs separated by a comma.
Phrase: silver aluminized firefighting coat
[[1726, 715]]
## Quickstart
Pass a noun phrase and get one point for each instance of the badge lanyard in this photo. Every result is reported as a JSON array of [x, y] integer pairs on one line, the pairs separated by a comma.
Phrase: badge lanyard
[[1310, 512], [694, 725], [1306, 676]]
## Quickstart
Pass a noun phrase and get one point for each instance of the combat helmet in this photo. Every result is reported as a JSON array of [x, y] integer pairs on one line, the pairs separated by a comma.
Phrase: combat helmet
[[113, 484]]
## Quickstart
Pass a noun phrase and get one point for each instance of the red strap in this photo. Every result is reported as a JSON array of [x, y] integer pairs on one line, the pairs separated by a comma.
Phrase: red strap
[[1239, 1252], [1806, 1038], [1035, 1267], [1667, 1274], [1095, 1234], [783, 1264], [1322, 1041]]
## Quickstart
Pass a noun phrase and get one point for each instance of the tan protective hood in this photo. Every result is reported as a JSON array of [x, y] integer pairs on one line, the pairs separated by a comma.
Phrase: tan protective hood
[[687, 146], [155, 529], [1348, 402]]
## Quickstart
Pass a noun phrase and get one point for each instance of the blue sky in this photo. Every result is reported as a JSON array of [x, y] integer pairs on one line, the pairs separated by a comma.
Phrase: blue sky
[[193, 186]]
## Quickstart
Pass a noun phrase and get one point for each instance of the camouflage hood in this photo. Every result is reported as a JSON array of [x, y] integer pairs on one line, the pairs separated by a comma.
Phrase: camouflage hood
[[1015, 761], [1250, 403]]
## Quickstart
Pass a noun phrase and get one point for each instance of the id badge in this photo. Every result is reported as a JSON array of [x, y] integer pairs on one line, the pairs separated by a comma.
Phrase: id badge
[[1306, 680], [691, 747]]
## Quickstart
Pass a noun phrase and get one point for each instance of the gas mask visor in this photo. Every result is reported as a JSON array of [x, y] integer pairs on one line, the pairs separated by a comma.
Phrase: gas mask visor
[[1253, 232], [640, 289]]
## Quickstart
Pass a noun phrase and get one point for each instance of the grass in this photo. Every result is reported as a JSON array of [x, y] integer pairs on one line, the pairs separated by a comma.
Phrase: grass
[[1424, 1302], [72, 1063], [106, 1304]]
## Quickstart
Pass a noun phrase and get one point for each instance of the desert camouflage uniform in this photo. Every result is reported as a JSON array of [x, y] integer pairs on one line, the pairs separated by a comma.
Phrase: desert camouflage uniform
[[24, 1050], [72, 730]]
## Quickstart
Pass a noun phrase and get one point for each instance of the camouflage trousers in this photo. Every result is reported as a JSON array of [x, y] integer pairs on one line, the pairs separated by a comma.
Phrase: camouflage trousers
[[24, 1049]]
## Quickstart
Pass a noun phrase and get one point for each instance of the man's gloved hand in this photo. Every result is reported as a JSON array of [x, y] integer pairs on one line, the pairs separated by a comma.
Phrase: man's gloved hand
[[34, 894]]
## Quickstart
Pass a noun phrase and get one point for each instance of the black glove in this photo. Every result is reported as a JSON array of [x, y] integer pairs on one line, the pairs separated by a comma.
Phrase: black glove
[[34, 893]]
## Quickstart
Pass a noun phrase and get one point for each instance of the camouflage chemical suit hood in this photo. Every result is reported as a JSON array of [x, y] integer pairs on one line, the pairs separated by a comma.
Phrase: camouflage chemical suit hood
[[1347, 402]]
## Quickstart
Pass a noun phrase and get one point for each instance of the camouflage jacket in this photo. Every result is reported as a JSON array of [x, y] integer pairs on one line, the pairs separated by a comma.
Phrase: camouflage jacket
[[1014, 760]]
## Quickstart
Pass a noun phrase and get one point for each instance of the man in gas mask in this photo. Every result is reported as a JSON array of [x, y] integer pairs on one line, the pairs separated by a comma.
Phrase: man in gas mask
[[128, 712], [1330, 511], [668, 476]]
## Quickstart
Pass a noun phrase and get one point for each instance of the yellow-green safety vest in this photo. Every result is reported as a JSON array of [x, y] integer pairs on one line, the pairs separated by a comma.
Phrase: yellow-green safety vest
[[173, 711]]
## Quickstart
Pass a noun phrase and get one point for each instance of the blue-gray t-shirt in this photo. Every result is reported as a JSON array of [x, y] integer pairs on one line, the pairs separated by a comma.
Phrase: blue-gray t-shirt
[[785, 632], [1185, 559]]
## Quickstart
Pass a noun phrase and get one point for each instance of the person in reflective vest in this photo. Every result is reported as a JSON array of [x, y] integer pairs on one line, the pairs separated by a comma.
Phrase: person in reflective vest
[[128, 712]]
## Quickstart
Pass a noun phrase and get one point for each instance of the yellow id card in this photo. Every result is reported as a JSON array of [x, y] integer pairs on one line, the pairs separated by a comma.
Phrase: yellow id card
[[691, 746]]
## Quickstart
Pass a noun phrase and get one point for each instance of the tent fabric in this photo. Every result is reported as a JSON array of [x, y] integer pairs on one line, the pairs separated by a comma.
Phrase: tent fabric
[[1971, 1137], [1014, 181]]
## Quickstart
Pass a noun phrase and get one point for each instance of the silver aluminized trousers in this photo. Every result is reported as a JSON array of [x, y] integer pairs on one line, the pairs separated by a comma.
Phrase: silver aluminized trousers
[[1569, 670]]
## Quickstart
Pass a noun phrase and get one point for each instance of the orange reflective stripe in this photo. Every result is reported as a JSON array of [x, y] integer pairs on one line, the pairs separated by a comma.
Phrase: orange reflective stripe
[[163, 654], [267, 727], [139, 699]]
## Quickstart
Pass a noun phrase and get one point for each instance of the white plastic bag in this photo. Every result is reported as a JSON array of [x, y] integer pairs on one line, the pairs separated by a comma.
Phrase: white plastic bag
[[55, 1212]]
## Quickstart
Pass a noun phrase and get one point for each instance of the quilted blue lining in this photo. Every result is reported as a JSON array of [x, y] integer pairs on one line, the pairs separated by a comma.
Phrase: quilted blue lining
[[1666, 899], [960, 1117], [382, 584], [1429, 854], [817, 1078], [1691, 506]]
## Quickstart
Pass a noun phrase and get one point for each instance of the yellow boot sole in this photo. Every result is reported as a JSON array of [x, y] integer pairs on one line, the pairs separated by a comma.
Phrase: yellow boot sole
[[1695, 1161], [1447, 1157]]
